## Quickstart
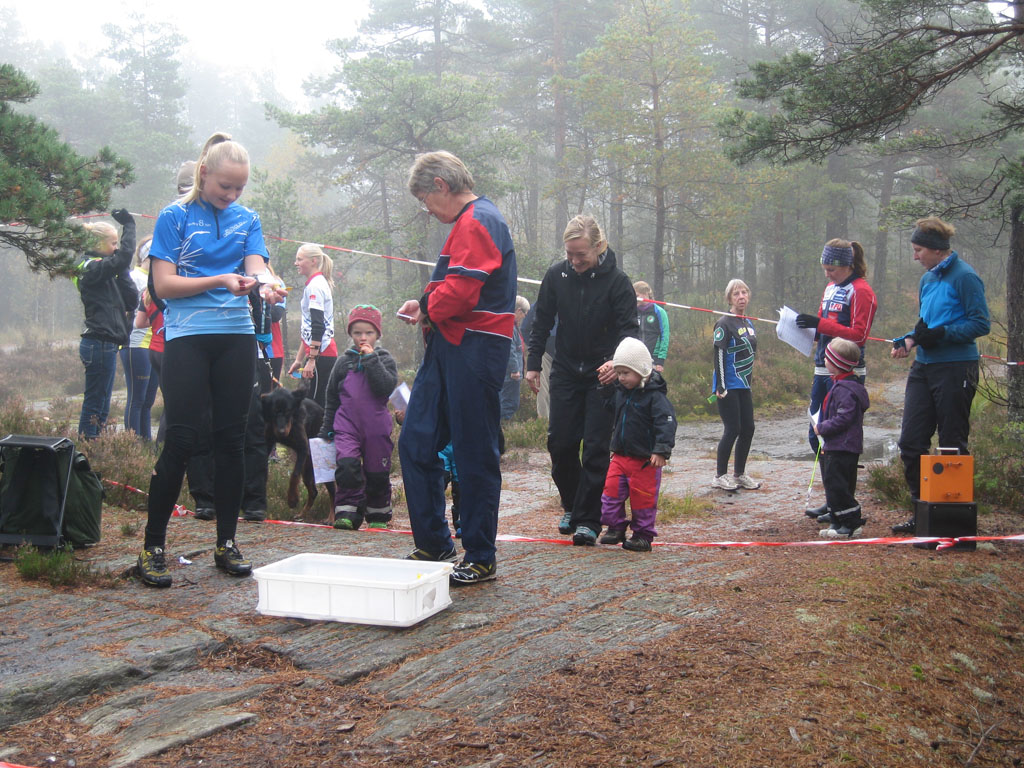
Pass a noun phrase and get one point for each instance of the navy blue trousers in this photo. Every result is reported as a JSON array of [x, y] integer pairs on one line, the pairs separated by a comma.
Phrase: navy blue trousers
[[456, 397]]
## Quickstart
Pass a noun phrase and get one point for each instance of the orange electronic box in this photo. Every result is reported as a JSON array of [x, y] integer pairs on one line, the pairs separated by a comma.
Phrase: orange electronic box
[[947, 477]]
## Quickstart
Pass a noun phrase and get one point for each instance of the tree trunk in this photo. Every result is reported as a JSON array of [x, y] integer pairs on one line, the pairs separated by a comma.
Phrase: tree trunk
[[881, 254], [749, 257], [837, 223], [558, 62], [1015, 315], [386, 216], [779, 261]]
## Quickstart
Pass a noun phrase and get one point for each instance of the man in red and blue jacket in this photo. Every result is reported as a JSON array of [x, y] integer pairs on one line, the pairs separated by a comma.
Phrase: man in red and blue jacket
[[467, 314]]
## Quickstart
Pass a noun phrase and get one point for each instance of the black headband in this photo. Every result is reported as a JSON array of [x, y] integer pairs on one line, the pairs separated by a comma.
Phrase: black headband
[[929, 239]]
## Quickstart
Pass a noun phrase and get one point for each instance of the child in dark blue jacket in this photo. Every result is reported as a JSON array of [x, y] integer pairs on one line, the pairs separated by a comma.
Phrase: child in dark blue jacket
[[842, 426], [643, 436]]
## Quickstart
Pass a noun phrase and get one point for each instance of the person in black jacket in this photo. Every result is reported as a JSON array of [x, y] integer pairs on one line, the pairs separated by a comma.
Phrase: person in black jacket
[[643, 437], [108, 294], [596, 308]]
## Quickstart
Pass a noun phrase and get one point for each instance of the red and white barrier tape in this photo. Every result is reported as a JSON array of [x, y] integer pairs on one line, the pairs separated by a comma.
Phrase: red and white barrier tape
[[943, 542], [529, 281]]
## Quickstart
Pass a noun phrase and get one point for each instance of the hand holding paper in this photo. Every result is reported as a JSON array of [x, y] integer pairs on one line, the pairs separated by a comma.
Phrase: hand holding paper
[[801, 339]]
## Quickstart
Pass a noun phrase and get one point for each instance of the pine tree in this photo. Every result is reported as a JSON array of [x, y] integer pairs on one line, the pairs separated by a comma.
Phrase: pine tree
[[43, 182], [865, 83]]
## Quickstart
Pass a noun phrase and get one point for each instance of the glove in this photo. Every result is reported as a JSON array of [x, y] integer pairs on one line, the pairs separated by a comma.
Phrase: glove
[[121, 216], [807, 321], [326, 434], [926, 337]]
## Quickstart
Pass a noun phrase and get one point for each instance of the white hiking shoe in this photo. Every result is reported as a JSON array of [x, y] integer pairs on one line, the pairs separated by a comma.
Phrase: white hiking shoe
[[745, 481], [725, 482]]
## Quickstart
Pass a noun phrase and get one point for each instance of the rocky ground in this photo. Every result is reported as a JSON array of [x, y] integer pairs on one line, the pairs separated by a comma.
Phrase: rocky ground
[[873, 654]]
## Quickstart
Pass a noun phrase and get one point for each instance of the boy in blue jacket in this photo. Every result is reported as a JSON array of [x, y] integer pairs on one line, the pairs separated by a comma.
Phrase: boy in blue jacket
[[643, 436], [842, 426]]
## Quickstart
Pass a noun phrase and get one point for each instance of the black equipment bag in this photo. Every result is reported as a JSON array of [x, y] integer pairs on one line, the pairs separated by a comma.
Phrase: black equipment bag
[[48, 494]]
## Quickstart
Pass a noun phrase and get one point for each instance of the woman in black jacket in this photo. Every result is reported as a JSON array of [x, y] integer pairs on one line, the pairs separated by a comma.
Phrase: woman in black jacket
[[596, 308], [108, 295]]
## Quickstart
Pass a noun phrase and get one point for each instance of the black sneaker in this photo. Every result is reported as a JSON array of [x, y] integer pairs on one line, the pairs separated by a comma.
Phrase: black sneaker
[[230, 560], [565, 524], [825, 518], [472, 573], [254, 515], [152, 567], [205, 513], [637, 544], [907, 526], [584, 537], [614, 536], [450, 555], [817, 512]]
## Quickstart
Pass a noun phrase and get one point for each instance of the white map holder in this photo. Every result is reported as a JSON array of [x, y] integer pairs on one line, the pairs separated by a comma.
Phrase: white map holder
[[324, 459]]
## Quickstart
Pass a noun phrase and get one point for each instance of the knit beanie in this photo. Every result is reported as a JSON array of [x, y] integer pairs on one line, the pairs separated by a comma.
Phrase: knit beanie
[[367, 313], [840, 362], [633, 354]]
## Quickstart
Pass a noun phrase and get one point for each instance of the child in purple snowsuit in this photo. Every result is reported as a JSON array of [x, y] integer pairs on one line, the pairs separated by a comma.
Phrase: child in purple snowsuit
[[841, 425], [357, 419]]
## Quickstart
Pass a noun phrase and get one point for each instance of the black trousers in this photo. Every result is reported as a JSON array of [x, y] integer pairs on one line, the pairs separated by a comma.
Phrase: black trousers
[[938, 396], [578, 415], [839, 476], [205, 374], [737, 412]]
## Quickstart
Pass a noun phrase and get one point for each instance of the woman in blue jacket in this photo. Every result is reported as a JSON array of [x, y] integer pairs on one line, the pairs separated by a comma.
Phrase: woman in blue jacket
[[943, 378]]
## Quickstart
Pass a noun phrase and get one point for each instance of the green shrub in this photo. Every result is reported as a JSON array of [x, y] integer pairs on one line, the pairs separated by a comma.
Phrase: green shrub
[[998, 463], [531, 433], [888, 482], [672, 509], [124, 459], [59, 568], [998, 458]]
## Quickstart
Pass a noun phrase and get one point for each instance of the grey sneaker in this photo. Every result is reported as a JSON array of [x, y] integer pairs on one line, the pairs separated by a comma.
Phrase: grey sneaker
[[584, 537], [745, 481], [565, 524], [725, 482], [845, 529]]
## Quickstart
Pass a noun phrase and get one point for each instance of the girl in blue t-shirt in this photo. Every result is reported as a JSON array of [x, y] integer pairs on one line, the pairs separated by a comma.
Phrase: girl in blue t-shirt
[[735, 345], [207, 255]]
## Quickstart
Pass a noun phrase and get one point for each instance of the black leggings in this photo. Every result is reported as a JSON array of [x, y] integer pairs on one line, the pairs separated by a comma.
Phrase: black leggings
[[737, 412], [203, 373]]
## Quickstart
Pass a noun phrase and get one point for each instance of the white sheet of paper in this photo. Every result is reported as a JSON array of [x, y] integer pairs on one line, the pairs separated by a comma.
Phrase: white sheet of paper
[[400, 397], [800, 339], [814, 422], [322, 453]]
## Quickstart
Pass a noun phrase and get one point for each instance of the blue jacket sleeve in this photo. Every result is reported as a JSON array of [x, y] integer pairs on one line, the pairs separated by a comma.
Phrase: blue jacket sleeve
[[975, 322]]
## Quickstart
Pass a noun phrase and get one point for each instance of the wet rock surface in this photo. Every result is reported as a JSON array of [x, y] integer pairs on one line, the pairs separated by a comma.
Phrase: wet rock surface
[[133, 664]]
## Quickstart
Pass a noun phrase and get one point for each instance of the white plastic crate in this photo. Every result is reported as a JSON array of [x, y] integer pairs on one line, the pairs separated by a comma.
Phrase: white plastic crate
[[358, 590]]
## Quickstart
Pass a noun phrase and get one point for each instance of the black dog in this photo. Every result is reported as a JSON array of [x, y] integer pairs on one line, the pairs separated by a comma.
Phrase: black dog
[[291, 418]]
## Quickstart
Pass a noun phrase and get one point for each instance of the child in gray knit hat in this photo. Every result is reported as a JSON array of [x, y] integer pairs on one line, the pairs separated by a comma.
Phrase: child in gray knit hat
[[642, 442]]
